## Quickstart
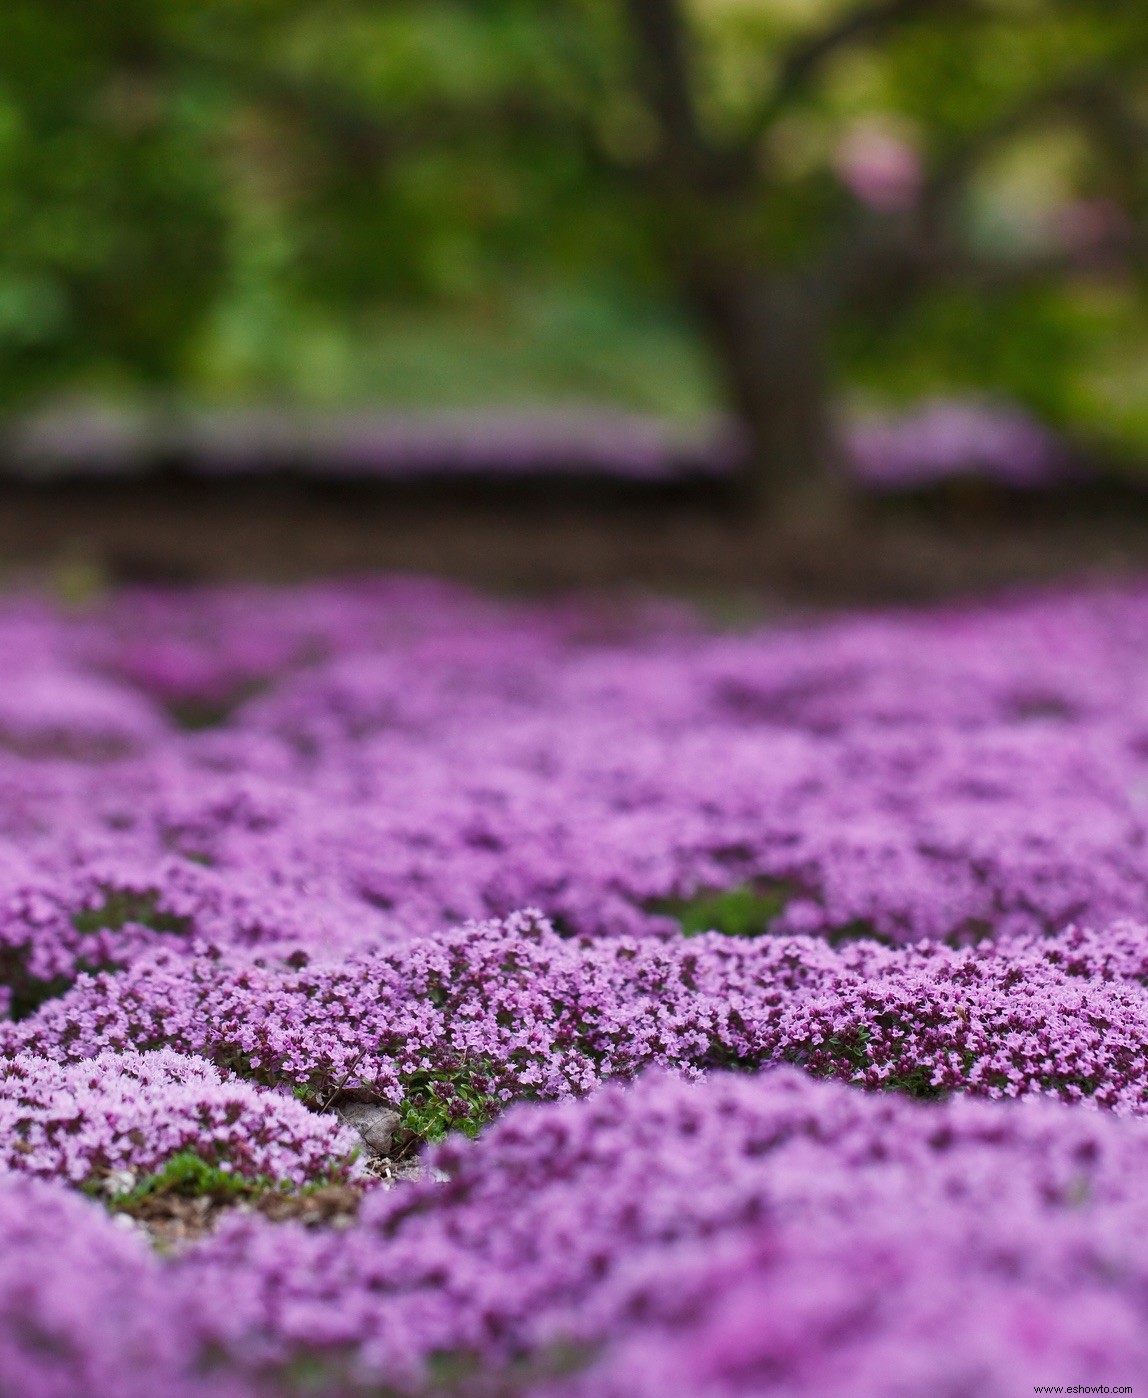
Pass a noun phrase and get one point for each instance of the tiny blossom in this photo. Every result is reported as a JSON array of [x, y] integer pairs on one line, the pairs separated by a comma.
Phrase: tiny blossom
[[547, 872], [85, 1308], [735, 1237], [134, 1112], [386, 760], [526, 1012], [725, 1239]]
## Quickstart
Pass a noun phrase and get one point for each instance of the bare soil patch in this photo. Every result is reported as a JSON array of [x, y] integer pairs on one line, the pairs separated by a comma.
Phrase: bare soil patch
[[552, 536]]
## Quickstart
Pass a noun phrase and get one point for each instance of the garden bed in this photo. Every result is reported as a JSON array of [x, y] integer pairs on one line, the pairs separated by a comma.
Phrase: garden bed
[[410, 992]]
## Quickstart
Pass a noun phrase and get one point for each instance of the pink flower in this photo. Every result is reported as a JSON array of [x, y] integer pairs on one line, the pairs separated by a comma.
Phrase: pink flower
[[879, 165]]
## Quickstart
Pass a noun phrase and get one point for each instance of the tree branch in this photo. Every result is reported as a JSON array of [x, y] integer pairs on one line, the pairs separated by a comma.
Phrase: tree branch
[[371, 137], [863, 23], [958, 165], [1091, 97], [1122, 133], [659, 33], [892, 255], [800, 66]]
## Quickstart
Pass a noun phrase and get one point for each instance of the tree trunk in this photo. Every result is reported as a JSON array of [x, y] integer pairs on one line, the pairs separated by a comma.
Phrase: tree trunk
[[768, 336]]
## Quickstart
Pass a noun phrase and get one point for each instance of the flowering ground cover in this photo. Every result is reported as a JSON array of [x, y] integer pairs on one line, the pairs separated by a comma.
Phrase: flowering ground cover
[[939, 440], [770, 1007]]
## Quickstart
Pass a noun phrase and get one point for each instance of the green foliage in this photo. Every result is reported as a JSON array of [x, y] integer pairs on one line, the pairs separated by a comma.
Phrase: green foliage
[[26, 993], [744, 911], [749, 910], [119, 908], [444, 202], [122, 906], [110, 220], [860, 929], [191, 1177], [522, 346], [453, 1373], [444, 1100], [188, 1175], [239, 199]]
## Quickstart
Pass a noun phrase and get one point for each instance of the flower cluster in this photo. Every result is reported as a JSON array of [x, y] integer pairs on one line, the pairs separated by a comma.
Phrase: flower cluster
[[131, 1112], [941, 438], [544, 873], [85, 1308], [946, 439], [386, 759], [738, 1237], [512, 1010]]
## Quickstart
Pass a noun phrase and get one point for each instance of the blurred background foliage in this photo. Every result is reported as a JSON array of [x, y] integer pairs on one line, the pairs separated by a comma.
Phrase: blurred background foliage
[[435, 203]]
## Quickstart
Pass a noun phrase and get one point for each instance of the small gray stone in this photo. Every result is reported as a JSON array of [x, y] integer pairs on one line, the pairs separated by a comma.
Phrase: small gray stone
[[118, 1182], [375, 1124]]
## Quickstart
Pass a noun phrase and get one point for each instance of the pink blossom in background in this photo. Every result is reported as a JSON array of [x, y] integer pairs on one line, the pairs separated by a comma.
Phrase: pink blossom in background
[[943, 439], [1092, 228], [912, 449], [879, 165]]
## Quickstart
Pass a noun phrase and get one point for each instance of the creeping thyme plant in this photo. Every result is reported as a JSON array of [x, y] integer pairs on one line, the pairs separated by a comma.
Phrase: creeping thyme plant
[[757, 1013]]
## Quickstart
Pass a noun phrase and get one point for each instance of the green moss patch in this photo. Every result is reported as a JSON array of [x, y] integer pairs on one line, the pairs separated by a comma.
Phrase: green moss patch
[[743, 911]]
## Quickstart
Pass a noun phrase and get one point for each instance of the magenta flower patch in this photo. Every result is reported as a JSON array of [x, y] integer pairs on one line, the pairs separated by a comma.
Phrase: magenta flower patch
[[793, 985]]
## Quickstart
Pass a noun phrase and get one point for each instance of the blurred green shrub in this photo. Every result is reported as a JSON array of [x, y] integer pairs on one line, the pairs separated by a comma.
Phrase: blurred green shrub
[[456, 201]]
